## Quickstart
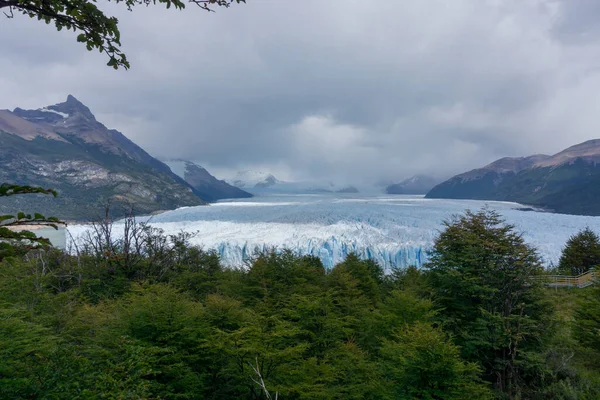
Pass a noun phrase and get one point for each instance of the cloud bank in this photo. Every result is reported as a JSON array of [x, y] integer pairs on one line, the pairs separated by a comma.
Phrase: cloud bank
[[342, 90]]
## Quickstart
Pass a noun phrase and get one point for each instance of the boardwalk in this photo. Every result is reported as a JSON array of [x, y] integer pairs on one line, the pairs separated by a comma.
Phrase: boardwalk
[[579, 281]]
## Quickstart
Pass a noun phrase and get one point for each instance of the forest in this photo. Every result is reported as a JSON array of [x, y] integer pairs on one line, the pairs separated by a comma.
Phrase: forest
[[146, 315]]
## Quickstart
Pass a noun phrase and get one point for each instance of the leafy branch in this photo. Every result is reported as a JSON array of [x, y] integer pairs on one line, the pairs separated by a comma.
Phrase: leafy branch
[[11, 237], [7, 189], [97, 30]]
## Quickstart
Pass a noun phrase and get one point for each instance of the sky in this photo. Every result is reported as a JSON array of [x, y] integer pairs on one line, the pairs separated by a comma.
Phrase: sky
[[340, 90]]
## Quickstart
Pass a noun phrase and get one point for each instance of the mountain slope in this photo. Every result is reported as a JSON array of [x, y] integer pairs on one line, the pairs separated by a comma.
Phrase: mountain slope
[[567, 182], [207, 186], [65, 148]]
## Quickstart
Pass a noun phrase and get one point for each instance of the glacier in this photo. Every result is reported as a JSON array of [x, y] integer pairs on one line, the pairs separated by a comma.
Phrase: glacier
[[395, 231]]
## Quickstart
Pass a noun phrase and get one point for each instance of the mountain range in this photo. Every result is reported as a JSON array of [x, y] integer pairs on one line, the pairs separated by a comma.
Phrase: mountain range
[[64, 147], [567, 182], [259, 182]]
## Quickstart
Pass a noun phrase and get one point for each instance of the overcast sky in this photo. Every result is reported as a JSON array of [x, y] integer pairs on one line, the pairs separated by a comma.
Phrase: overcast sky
[[342, 90]]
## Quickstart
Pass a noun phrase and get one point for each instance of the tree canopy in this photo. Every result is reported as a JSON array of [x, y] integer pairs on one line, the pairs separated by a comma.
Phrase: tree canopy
[[96, 29], [481, 274], [148, 315], [581, 253]]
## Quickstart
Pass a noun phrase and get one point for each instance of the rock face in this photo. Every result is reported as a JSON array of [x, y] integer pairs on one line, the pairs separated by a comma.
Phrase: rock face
[[206, 186], [567, 182], [63, 147], [418, 184]]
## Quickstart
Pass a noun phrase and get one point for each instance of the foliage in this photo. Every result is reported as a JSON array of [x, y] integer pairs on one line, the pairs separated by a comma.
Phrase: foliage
[[425, 365], [23, 240], [97, 30], [586, 327], [481, 274], [148, 315], [581, 253]]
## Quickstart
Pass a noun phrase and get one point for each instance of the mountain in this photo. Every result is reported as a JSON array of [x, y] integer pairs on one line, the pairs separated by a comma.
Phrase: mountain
[[64, 147], [253, 179], [207, 186], [567, 182], [262, 183], [418, 184], [483, 183], [348, 189]]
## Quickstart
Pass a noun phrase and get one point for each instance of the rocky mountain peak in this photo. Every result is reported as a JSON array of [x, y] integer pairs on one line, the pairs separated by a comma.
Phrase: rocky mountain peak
[[62, 146], [58, 114], [73, 107]]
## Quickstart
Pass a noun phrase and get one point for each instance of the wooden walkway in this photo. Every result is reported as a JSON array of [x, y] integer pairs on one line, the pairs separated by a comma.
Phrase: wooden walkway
[[579, 281]]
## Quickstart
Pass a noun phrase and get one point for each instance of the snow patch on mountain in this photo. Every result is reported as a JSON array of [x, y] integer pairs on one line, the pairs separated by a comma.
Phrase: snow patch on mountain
[[62, 114]]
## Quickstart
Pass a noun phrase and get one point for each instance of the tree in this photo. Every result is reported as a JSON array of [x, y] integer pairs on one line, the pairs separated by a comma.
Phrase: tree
[[581, 253], [481, 274], [97, 30], [421, 363], [10, 238], [586, 326]]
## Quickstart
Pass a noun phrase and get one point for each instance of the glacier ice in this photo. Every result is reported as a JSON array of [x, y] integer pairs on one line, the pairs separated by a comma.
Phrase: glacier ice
[[392, 230]]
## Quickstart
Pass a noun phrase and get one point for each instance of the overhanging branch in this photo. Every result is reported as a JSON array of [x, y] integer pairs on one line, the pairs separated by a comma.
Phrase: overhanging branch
[[8, 3]]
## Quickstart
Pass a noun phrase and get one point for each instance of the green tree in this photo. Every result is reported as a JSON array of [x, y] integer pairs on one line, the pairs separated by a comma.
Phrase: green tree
[[481, 274], [421, 363], [36, 363], [10, 240], [586, 326], [97, 30], [581, 253]]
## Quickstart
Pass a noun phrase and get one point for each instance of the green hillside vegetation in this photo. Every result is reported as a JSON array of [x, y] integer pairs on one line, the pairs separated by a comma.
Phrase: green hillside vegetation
[[151, 316]]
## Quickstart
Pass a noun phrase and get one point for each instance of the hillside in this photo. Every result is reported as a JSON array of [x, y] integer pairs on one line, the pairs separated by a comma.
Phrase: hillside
[[206, 186], [64, 147], [567, 182]]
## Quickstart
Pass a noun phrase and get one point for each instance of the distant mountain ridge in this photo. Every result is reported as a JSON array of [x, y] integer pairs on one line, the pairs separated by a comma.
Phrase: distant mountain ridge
[[207, 186], [64, 147], [567, 182], [253, 179], [261, 183], [418, 184]]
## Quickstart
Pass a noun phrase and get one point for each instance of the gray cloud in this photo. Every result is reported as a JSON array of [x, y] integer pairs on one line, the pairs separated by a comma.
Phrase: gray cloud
[[343, 90]]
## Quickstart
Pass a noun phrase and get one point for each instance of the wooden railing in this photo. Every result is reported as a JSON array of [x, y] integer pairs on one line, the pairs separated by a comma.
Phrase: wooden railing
[[580, 281]]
